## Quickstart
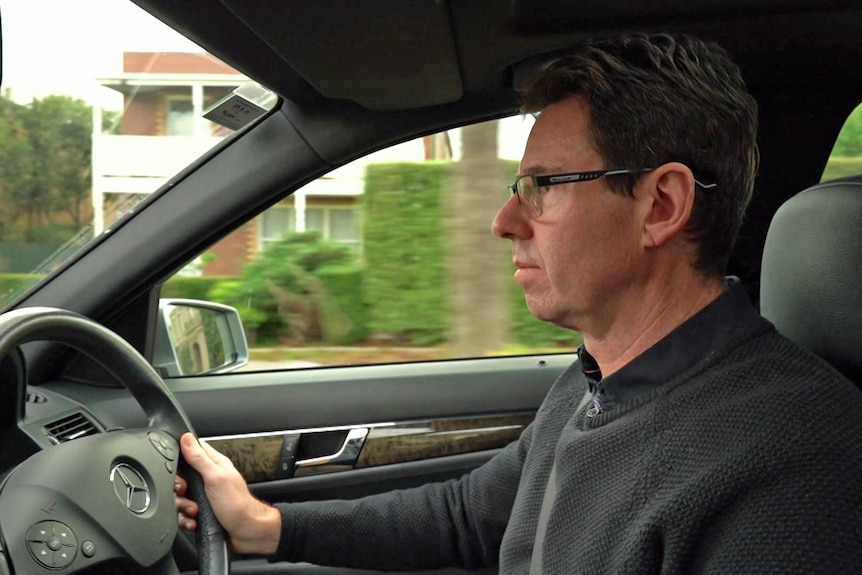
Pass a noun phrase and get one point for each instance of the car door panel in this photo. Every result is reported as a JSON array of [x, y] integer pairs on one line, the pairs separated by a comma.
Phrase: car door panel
[[306, 453], [280, 401], [411, 423]]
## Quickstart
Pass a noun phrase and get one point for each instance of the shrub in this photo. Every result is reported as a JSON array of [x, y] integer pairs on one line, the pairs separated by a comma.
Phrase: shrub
[[280, 297]]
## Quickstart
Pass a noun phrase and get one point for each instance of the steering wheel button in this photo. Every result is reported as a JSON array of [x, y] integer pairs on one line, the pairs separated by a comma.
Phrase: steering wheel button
[[169, 466], [61, 532], [40, 552], [64, 557], [159, 439], [53, 543], [88, 548], [166, 451], [41, 531]]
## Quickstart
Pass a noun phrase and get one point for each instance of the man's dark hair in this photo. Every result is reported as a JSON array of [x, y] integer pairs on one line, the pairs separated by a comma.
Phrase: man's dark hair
[[659, 98]]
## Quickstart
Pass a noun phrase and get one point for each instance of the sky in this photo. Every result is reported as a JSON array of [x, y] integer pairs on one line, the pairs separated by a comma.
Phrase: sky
[[61, 46]]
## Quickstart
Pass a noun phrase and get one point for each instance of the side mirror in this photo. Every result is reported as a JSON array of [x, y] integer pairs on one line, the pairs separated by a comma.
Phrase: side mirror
[[198, 337]]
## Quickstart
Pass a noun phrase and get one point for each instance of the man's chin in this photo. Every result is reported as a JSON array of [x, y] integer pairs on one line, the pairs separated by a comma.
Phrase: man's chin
[[539, 308]]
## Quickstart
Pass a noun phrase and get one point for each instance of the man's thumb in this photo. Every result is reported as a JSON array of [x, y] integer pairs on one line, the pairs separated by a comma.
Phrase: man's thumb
[[194, 454]]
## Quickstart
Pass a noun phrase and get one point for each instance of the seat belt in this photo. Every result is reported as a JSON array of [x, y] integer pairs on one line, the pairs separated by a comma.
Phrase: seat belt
[[547, 503]]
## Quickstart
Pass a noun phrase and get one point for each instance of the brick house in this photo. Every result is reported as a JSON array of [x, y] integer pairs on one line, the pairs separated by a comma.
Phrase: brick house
[[162, 129]]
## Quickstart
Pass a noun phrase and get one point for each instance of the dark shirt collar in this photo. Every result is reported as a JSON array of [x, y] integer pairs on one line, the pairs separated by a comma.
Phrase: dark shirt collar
[[691, 342]]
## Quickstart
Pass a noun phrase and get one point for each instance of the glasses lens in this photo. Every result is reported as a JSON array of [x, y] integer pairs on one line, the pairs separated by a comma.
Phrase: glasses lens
[[526, 188]]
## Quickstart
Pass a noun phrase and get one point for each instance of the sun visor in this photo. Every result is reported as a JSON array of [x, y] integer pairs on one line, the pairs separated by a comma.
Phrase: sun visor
[[350, 54], [547, 16]]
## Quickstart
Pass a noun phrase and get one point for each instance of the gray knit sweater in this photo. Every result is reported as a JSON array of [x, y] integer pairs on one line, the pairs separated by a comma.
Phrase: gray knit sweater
[[749, 462]]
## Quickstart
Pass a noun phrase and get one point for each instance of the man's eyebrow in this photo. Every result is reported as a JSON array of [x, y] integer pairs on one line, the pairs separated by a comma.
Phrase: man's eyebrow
[[540, 169]]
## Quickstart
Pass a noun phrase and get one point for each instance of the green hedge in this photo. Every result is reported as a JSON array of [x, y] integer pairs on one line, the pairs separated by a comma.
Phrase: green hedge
[[839, 166], [21, 257], [405, 278], [10, 282], [534, 333], [405, 274], [191, 287], [344, 284]]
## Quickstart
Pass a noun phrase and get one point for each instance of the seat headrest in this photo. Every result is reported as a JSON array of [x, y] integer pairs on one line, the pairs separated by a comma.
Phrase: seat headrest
[[811, 277]]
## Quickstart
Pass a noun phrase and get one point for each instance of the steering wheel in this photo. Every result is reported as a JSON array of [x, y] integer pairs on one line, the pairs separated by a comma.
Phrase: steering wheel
[[105, 499]]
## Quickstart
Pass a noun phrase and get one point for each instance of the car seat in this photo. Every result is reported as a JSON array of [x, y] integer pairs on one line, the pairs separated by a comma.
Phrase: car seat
[[811, 277]]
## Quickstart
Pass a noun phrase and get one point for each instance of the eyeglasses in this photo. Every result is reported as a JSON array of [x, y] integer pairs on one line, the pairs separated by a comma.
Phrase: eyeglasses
[[528, 187]]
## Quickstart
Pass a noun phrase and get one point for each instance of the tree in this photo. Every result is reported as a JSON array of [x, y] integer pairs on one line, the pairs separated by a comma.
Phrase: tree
[[477, 259], [16, 168], [45, 177], [60, 130]]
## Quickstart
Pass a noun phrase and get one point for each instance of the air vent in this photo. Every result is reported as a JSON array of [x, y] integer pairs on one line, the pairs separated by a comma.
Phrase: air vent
[[70, 427]]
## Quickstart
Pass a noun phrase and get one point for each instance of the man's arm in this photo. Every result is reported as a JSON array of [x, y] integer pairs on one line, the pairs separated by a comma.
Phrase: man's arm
[[456, 523], [459, 522]]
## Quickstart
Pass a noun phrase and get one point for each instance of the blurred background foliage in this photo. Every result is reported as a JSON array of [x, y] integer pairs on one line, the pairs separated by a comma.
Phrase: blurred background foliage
[[301, 290]]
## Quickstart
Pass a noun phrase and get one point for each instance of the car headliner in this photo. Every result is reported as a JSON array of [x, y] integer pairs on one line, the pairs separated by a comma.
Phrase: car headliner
[[463, 59], [408, 54]]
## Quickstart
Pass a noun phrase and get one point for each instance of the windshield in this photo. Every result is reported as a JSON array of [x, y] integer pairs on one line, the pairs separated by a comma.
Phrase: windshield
[[101, 104]]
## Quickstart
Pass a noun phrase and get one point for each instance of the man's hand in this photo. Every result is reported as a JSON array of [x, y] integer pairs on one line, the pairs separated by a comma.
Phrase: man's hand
[[252, 525]]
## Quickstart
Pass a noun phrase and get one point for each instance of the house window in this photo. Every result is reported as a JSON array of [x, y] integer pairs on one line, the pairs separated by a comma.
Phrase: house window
[[338, 224], [275, 223], [179, 117], [343, 226], [334, 223]]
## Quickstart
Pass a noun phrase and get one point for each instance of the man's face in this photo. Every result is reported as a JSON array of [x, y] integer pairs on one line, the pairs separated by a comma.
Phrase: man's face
[[577, 261]]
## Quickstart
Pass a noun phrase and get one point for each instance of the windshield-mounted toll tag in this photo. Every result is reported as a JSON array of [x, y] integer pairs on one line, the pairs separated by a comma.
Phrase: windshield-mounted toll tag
[[244, 105]]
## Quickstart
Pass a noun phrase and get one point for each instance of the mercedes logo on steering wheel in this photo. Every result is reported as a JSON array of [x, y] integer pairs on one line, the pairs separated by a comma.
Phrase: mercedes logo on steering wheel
[[131, 488]]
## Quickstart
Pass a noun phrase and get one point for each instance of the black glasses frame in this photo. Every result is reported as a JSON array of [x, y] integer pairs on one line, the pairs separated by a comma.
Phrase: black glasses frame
[[533, 197]]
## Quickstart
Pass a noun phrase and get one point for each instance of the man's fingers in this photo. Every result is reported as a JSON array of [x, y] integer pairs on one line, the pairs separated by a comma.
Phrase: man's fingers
[[186, 523], [186, 507], [180, 486]]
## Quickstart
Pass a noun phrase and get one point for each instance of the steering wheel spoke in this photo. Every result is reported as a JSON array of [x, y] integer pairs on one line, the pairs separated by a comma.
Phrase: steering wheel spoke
[[96, 499]]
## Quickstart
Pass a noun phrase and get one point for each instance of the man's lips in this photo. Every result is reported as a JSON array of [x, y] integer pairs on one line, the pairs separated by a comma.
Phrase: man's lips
[[524, 270], [520, 264]]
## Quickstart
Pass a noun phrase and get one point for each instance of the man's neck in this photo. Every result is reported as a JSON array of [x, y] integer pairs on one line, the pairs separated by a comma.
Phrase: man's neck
[[663, 307]]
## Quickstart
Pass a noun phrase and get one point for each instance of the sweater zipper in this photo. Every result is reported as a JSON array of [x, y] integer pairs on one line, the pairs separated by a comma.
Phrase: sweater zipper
[[596, 408]]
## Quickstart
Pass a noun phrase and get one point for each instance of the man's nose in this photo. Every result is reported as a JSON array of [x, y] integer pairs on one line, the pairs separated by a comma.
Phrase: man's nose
[[511, 221]]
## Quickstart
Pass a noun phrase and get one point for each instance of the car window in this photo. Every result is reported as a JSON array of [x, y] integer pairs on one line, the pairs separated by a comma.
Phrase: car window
[[111, 65], [387, 259], [846, 156]]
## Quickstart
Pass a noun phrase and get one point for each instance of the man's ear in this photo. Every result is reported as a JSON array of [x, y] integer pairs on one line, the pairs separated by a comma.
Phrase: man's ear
[[668, 195]]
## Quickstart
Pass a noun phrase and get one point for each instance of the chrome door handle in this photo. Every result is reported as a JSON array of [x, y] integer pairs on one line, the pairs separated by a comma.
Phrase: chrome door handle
[[346, 455]]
